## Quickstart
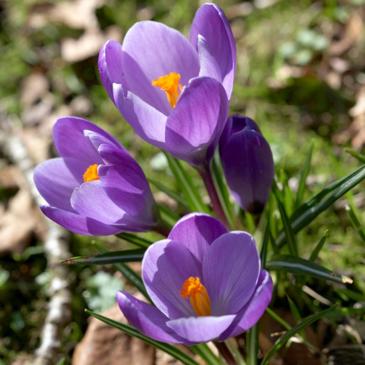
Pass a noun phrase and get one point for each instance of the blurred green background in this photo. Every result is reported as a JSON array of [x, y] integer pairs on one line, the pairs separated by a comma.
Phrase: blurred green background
[[301, 76]]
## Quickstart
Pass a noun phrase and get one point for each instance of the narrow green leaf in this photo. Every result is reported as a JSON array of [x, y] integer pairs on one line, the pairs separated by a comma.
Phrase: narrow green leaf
[[206, 354], [265, 244], [169, 349], [108, 257], [167, 215], [308, 211], [359, 156], [132, 277], [355, 221], [281, 342], [297, 265], [252, 345], [289, 234], [222, 190], [319, 246], [135, 240], [190, 193], [303, 177], [172, 194]]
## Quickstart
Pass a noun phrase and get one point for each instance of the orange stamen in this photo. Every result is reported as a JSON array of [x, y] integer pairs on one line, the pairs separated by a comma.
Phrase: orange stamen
[[197, 293], [170, 84], [91, 173]]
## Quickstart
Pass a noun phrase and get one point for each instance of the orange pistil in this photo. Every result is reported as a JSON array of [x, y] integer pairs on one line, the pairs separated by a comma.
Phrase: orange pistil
[[193, 289], [91, 173], [170, 84]]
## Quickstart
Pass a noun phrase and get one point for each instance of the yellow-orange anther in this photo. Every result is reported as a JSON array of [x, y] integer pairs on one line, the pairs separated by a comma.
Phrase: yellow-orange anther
[[193, 289], [91, 173], [170, 84]]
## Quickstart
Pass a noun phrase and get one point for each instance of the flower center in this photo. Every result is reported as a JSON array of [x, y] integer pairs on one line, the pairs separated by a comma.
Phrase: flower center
[[91, 173], [193, 289], [170, 84]]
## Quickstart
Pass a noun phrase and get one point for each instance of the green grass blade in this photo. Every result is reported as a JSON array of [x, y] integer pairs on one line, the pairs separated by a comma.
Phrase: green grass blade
[[281, 342], [190, 193], [108, 257], [319, 246], [169, 192], [206, 354], [169, 349], [299, 266], [252, 345], [222, 190], [303, 177], [132, 277], [355, 221], [265, 244], [359, 156], [305, 214], [167, 216], [135, 240], [289, 234]]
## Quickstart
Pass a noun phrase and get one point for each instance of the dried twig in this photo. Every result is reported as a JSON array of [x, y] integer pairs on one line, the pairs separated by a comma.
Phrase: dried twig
[[56, 250]]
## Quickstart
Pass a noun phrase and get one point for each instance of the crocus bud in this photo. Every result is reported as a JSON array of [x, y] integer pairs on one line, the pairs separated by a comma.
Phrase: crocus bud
[[247, 163], [95, 187]]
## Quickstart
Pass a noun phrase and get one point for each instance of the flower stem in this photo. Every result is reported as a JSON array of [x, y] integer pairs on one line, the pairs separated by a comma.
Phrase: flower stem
[[225, 353], [162, 229], [206, 176]]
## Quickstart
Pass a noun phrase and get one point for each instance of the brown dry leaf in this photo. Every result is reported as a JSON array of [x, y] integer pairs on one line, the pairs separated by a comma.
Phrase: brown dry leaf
[[10, 177], [351, 35], [105, 345], [295, 353], [68, 13], [88, 45], [17, 223], [356, 131]]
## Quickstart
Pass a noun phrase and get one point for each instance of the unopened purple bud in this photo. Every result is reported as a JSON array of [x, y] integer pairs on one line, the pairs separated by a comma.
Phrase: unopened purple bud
[[247, 163]]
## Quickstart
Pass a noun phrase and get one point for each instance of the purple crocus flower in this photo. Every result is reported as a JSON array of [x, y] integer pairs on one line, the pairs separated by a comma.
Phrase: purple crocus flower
[[174, 91], [247, 163], [95, 187], [205, 283]]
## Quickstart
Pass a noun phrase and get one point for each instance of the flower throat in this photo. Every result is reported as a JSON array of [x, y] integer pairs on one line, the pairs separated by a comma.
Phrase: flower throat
[[170, 84]]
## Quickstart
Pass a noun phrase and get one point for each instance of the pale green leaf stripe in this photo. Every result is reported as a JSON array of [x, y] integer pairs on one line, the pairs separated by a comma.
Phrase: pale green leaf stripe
[[280, 343], [135, 240], [305, 214], [108, 258], [297, 265], [169, 349]]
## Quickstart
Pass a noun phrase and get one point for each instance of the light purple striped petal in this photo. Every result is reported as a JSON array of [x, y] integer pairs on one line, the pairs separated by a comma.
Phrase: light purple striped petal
[[159, 50], [212, 36], [200, 329], [55, 182], [146, 318], [70, 141], [255, 308], [79, 224], [110, 65], [165, 267], [195, 125], [197, 231], [231, 268], [148, 122]]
